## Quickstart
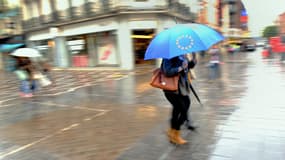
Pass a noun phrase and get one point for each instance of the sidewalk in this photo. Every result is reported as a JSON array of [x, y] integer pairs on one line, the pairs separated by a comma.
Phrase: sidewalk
[[242, 119], [119, 116]]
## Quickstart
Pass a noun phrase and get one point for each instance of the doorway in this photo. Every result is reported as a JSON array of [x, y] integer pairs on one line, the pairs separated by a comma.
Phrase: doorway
[[141, 40]]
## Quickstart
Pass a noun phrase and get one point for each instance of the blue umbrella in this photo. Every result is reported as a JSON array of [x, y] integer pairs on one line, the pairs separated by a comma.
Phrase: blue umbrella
[[182, 39]]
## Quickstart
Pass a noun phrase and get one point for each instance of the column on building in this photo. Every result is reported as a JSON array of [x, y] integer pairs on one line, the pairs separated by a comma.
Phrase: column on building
[[61, 58], [91, 50], [125, 45]]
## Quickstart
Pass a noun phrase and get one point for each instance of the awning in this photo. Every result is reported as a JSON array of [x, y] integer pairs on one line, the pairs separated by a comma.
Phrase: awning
[[9, 47]]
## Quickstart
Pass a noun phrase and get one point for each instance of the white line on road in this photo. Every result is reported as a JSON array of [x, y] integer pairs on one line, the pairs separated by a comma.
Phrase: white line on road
[[76, 107], [2, 102], [4, 155]]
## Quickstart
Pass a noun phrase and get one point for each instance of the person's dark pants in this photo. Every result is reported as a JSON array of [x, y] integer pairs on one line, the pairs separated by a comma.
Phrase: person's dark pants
[[180, 109], [33, 85]]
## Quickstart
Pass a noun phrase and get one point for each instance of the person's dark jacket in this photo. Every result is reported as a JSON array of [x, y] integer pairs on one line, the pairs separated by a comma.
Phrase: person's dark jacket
[[170, 67]]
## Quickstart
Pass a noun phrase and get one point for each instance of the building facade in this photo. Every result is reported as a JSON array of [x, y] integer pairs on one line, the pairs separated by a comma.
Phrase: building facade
[[227, 16], [234, 19], [95, 33], [10, 32]]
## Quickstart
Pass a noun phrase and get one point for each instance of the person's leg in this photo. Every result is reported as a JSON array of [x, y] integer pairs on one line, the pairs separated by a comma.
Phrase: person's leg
[[185, 101], [33, 85], [22, 87], [25, 88], [212, 71], [174, 131], [217, 71], [176, 103]]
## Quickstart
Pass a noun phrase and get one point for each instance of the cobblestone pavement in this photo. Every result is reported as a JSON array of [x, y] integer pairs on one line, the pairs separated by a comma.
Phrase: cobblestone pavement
[[108, 115]]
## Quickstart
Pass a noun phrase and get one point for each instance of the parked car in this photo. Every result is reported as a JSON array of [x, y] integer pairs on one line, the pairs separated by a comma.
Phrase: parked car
[[250, 47], [260, 43]]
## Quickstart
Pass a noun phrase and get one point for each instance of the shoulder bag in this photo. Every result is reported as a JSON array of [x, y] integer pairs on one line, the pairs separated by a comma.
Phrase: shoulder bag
[[159, 80]]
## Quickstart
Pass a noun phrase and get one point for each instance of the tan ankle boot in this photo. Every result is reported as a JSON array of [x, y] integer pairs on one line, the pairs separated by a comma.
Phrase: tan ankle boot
[[170, 134], [177, 139]]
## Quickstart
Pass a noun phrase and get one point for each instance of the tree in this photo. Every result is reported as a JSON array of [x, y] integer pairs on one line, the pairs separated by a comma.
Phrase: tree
[[270, 31]]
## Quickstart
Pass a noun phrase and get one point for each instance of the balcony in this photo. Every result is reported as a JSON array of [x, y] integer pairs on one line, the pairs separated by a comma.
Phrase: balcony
[[46, 18], [77, 12], [104, 8]]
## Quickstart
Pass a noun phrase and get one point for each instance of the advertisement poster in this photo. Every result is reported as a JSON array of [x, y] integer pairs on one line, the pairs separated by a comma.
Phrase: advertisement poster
[[107, 54]]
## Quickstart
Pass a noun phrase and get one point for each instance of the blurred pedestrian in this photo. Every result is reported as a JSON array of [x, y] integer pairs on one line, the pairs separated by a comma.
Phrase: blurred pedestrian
[[179, 99], [45, 68], [25, 71], [267, 51], [214, 63]]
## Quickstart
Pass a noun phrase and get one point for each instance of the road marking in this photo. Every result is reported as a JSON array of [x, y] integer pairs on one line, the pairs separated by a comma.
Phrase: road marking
[[68, 106], [72, 126], [3, 101]]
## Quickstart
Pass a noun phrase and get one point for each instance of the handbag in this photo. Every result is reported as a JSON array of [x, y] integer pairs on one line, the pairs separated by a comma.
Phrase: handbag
[[37, 75], [159, 80], [44, 81]]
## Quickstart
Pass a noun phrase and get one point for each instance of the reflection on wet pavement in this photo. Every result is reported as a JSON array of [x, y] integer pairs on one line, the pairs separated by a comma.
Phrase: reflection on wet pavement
[[117, 115]]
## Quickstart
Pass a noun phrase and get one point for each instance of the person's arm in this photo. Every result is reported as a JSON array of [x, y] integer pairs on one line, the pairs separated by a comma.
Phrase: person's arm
[[193, 62]]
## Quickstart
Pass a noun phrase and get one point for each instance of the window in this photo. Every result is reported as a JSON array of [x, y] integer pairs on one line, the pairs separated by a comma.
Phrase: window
[[45, 7], [77, 3], [62, 4]]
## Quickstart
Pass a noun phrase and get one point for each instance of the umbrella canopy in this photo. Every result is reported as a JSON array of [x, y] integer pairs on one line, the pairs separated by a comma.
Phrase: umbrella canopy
[[182, 39], [9, 47], [26, 52]]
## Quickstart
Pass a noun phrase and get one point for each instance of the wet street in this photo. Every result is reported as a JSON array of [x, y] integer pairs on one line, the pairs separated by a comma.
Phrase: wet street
[[116, 115]]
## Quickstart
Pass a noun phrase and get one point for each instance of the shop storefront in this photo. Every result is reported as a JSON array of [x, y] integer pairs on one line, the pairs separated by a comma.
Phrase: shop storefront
[[77, 50], [45, 48], [103, 43], [91, 50]]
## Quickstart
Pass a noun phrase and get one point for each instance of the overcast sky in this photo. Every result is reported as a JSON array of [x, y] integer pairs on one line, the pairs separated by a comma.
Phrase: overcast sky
[[262, 13]]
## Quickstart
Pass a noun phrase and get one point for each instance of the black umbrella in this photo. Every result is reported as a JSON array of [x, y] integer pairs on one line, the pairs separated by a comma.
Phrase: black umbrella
[[195, 94]]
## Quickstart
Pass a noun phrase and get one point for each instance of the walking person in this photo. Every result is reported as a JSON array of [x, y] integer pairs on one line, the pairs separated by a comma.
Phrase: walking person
[[214, 63], [179, 99], [24, 71]]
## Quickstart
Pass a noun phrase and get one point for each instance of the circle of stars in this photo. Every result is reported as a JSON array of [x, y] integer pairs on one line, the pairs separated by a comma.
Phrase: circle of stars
[[191, 42]]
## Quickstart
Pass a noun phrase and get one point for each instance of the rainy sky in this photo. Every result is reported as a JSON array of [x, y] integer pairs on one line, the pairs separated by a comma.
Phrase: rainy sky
[[263, 13]]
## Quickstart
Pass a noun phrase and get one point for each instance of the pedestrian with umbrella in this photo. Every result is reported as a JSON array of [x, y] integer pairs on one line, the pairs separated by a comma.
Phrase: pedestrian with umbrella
[[25, 70], [172, 45]]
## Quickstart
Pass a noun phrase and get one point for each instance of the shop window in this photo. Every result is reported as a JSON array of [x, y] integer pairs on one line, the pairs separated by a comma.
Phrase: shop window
[[45, 7], [106, 48], [44, 47], [77, 47]]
